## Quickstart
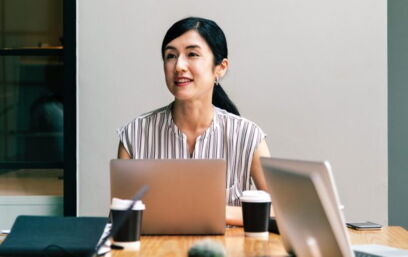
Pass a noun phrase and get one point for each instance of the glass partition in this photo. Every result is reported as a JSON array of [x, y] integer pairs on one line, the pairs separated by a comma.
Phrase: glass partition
[[31, 109]]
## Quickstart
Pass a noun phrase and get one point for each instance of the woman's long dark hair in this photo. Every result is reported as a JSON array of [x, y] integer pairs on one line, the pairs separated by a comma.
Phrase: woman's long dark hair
[[217, 42]]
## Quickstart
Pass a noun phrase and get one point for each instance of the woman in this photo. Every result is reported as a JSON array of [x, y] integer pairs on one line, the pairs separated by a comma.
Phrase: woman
[[202, 122]]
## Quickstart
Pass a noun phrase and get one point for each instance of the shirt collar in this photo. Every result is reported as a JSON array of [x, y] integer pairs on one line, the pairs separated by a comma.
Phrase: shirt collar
[[214, 124]]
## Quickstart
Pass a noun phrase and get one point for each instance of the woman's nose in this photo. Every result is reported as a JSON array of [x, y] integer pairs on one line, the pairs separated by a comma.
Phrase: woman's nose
[[181, 64]]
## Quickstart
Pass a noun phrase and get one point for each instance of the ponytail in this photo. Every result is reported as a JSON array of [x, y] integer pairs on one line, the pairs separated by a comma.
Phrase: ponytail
[[221, 100]]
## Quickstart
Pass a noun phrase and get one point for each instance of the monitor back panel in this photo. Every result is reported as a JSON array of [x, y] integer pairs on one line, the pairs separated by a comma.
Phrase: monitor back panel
[[306, 207]]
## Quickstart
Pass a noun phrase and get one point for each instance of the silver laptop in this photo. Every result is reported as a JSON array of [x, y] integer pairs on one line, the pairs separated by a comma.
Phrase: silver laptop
[[186, 196], [307, 210]]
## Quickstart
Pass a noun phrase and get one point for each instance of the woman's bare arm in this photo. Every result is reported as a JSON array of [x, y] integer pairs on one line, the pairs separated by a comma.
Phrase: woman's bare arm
[[122, 153], [257, 173], [234, 213]]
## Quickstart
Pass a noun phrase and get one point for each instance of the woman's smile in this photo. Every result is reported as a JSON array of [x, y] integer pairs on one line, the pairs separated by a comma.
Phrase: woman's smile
[[183, 81]]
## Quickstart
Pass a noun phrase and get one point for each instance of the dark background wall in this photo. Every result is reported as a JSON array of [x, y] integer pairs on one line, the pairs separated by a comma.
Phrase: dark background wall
[[398, 112]]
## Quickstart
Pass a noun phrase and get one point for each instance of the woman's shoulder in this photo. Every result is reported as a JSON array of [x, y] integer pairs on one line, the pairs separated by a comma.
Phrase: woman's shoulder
[[238, 125], [148, 117], [226, 116], [152, 114]]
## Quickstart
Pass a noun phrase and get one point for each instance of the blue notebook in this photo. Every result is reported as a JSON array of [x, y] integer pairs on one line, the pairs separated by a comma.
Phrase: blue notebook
[[53, 236]]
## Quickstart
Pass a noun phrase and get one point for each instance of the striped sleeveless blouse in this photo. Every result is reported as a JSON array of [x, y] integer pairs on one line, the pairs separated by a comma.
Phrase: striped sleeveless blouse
[[154, 135]]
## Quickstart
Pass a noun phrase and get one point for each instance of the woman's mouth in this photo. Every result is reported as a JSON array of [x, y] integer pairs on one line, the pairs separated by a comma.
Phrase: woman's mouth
[[182, 82]]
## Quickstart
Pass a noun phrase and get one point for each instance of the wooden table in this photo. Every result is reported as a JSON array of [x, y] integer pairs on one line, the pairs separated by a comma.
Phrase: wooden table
[[391, 236], [237, 245]]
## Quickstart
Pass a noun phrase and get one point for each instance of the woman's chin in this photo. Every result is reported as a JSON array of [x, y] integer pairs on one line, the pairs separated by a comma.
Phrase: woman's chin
[[182, 96]]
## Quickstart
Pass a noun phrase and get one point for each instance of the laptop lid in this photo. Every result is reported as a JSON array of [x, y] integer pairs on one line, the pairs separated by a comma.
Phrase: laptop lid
[[53, 236], [186, 196], [306, 205]]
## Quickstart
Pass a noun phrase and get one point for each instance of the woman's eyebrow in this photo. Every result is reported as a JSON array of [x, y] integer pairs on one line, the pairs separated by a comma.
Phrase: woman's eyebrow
[[187, 47], [192, 46], [170, 48]]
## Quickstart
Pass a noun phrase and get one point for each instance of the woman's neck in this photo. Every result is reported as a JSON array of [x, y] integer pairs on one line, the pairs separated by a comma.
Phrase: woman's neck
[[192, 117]]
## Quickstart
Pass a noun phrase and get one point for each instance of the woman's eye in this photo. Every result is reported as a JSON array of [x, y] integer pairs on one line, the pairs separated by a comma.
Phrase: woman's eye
[[193, 55], [170, 56]]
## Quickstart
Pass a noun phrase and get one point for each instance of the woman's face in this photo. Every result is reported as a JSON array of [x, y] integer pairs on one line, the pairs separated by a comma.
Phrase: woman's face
[[189, 67]]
